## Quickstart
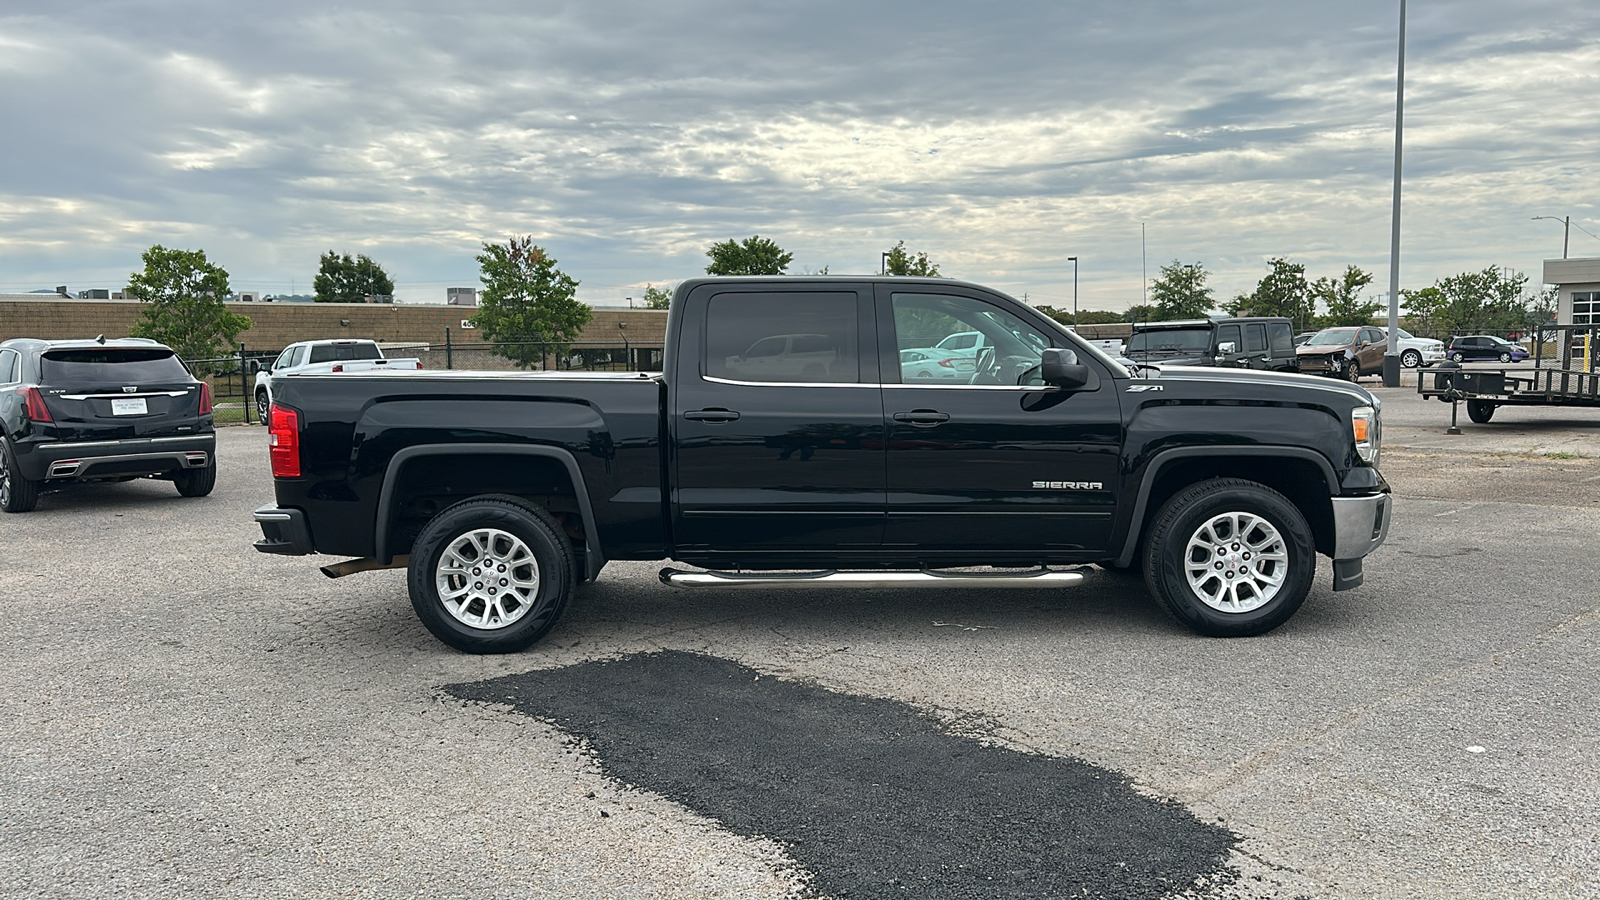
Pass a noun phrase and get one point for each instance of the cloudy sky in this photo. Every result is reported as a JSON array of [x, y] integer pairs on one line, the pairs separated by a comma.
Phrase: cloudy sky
[[1000, 138]]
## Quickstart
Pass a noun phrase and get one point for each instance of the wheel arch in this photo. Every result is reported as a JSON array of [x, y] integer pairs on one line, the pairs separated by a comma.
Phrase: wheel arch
[[1300, 474], [559, 464]]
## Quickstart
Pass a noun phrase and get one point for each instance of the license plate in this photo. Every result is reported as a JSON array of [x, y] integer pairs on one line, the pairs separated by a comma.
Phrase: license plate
[[129, 406]]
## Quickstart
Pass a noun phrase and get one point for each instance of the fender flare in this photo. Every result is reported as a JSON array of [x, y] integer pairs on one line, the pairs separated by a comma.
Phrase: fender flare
[[593, 555], [1130, 543]]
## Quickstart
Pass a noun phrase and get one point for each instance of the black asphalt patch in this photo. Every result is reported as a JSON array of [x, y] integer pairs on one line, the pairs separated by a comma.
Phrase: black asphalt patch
[[870, 796]]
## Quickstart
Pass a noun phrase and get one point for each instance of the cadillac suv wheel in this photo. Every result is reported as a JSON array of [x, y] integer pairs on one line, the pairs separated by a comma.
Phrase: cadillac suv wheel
[[17, 492], [196, 482], [490, 575], [1229, 557]]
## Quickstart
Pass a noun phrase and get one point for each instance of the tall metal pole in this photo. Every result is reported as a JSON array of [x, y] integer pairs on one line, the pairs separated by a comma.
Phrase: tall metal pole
[[1074, 292], [1391, 351]]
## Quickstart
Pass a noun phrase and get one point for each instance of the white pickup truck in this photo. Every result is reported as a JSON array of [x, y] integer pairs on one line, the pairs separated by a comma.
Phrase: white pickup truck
[[322, 358]]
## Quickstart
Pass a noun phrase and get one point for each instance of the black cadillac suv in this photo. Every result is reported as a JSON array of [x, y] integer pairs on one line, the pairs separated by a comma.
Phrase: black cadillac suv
[[97, 411]]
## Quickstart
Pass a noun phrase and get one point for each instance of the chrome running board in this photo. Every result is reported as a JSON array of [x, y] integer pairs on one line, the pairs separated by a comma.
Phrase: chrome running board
[[1040, 577]]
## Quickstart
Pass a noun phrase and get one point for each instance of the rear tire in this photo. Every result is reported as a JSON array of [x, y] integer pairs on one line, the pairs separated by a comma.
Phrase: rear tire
[[1480, 411], [1230, 558], [18, 493], [490, 575], [263, 408], [1457, 357], [196, 482]]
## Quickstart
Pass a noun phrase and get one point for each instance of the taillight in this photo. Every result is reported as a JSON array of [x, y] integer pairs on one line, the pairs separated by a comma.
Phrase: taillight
[[205, 398], [33, 405], [337, 367], [948, 363], [283, 437]]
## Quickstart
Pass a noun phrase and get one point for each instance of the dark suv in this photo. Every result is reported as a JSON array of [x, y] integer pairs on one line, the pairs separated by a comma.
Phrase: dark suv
[[101, 410], [1265, 343]]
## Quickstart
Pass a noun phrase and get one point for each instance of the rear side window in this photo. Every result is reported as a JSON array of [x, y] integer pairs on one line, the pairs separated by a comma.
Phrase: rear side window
[[110, 367], [1255, 337], [339, 352], [783, 337], [1279, 334], [10, 362]]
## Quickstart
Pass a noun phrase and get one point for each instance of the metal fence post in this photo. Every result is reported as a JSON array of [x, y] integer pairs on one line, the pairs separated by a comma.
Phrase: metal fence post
[[244, 390], [449, 362]]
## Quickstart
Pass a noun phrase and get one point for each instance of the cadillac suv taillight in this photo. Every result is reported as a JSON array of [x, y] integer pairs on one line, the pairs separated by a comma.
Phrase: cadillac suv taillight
[[33, 405], [205, 399], [284, 441]]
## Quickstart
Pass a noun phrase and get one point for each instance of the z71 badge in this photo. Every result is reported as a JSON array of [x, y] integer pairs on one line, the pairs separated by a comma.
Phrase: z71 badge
[[1067, 486]]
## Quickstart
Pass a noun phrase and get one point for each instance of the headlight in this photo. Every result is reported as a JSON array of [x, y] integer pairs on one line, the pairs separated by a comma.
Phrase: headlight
[[1367, 428]]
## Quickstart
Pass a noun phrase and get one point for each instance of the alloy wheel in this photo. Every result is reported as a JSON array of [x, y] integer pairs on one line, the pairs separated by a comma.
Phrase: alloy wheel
[[487, 578], [1236, 562]]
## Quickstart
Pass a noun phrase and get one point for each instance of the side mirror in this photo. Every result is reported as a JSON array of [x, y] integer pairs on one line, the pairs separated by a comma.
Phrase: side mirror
[[1227, 348], [1060, 367]]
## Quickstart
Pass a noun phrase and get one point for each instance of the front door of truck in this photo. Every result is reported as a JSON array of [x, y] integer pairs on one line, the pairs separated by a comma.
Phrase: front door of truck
[[777, 421], [990, 459]]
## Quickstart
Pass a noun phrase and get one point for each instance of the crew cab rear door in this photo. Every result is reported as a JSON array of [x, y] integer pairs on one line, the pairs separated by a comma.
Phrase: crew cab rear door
[[776, 421], [992, 460]]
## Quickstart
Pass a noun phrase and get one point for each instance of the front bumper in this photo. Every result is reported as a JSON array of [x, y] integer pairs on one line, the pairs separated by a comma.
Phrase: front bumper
[[284, 531], [75, 460], [1359, 526], [1321, 365]]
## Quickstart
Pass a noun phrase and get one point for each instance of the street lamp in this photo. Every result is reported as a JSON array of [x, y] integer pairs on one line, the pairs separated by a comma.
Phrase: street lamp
[[1074, 292], [883, 264], [1566, 232]]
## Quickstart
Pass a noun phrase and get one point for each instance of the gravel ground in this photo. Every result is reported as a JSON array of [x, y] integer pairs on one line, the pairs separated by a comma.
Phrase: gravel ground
[[188, 718]]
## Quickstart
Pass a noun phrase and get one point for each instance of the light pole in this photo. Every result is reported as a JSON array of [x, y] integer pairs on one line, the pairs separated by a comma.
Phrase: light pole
[[1566, 232], [1074, 292], [1391, 350], [883, 263]]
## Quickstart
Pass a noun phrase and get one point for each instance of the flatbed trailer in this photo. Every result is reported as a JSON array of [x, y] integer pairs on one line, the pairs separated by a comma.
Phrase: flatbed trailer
[[1566, 377]]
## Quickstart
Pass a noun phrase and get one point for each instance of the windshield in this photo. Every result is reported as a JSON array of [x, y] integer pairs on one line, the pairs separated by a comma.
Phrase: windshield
[[1333, 337], [1161, 340]]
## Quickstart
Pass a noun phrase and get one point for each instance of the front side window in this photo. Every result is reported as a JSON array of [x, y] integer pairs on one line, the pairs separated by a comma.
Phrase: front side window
[[283, 359], [972, 341], [783, 337], [1229, 334]]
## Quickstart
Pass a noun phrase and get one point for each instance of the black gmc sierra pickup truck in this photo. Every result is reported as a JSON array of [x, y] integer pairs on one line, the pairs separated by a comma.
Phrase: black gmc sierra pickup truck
[[808, 431]]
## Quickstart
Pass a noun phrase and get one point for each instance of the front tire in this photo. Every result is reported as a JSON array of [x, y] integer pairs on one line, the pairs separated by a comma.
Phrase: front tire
[[1480, 411], [196, 482], [263, 408], [1230, 558], [490, 575], [1354, 372], [1411, 359], [18, 493], [1505, 357]]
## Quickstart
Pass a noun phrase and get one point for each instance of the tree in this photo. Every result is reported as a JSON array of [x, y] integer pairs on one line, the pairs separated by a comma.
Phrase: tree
[[527, 299], [341, 279], [1488, 301], [1422, 308], [754, 256], [1140, 312], [656, 298], [1343, 298], [899, 262], [1180, 291], [1085, 316], [1281, 292], [182, 295]]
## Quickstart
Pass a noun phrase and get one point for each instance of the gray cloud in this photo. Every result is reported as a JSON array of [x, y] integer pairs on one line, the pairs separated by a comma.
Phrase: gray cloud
[[626, 137]]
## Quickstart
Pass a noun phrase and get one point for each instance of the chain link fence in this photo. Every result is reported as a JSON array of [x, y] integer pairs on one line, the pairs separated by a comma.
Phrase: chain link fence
[[232, 377]]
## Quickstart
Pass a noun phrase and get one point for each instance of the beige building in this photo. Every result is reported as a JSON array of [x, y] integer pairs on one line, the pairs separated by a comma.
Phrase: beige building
[[1579, 283]]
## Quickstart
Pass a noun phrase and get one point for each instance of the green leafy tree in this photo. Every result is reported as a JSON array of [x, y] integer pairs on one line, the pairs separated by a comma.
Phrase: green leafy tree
[[1140, 312], [1180, 291], [527, 306], [1343, 298], [899, 262], [1281, 292], [182, 295], [1490, 301], [754, 256], [1422, 307], [343, 279], [656, 298]]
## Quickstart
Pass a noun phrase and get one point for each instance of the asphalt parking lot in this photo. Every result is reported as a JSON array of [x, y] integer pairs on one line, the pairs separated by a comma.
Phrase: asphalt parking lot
[[185, 717]]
